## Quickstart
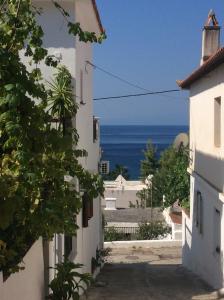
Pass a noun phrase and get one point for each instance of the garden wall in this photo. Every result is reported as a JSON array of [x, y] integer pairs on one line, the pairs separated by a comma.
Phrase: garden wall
[[29, 283]]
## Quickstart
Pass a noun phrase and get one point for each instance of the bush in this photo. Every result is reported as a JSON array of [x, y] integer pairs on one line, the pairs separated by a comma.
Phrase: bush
[[68, 282], [112, 234], [153, 231]]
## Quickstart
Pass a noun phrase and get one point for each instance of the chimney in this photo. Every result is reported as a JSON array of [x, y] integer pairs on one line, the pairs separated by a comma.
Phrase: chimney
[[210, 37]]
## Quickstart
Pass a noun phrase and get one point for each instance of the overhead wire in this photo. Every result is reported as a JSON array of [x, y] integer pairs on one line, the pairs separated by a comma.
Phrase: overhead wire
[[136, 95], [150, 92]]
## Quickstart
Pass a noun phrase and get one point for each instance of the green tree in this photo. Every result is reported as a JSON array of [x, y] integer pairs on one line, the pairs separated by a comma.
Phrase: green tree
[[150, 163], [35, 154], [118, 170], [171, 179]]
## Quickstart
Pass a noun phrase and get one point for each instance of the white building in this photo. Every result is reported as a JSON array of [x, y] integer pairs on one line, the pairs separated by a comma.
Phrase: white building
[[33, 281], [121, 193], [203, 229]]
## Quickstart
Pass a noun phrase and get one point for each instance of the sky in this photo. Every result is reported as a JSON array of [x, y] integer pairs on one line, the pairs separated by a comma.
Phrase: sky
[[151, 44]]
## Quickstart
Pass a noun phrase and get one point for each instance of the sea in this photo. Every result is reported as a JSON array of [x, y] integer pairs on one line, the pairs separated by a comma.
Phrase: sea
[[124, 144]]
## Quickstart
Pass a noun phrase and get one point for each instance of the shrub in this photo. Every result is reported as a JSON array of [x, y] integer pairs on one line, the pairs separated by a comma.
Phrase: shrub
[[112, 234], [152, 231], [68, 281]]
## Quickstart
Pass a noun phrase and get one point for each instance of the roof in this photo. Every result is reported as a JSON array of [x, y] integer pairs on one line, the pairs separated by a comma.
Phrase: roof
[[209, 65], [133, 215], [120, 183], [98, 16]]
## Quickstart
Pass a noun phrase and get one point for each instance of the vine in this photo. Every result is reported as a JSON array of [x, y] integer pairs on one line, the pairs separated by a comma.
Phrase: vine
[[35, 155]]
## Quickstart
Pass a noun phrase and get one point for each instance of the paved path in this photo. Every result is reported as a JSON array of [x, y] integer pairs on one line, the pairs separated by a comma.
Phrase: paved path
[[148, 274]]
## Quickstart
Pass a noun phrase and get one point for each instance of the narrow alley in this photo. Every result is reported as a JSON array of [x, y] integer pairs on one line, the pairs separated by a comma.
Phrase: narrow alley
[[148, 274]]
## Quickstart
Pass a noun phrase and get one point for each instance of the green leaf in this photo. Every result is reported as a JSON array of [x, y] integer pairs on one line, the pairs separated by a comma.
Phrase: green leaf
[[9, 87]]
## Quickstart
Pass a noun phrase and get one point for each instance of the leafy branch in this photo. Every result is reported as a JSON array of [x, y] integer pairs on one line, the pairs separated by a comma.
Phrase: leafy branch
[[68, 281], [35, 155]]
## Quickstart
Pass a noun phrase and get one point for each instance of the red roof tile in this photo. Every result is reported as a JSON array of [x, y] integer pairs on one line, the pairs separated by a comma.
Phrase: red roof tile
[[209, 65]]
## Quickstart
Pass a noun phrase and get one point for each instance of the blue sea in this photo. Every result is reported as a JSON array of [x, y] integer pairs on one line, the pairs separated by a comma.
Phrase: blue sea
[[124, 144]]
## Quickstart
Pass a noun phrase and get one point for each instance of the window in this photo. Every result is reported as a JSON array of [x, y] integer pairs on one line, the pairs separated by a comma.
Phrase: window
[[199, 212], [217, 122], [82, 101], [87, 210], [67, 245], [217, 231], [95, 129], [104, 167]]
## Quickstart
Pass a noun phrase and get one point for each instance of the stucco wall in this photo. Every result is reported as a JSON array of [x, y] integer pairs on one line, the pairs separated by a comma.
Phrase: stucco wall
[[56, 38], [88, 239], [123, 197], [207, 159], [74, 55], [199, 253], [29, 283]]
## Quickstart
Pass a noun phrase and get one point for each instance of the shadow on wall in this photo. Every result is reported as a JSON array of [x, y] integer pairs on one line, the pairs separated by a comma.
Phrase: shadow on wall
[[203, 246], [211, 168]]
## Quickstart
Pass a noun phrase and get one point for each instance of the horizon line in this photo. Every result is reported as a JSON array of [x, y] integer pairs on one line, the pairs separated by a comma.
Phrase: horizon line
[[144, 125]]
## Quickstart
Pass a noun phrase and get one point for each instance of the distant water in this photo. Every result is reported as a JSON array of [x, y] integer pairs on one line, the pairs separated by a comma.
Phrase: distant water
[[124, 144]]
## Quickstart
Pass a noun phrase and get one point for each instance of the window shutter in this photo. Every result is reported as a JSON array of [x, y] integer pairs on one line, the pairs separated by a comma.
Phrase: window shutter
[[67, 245], [217, 231], [85, 211], [199, 212], [95, 129]]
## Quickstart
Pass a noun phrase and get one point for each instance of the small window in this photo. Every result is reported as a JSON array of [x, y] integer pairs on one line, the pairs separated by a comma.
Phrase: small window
[[82, 101], [85, 217], [95, 129], [217, 122], [217, 231], [87, 210], [67, 245], [90, 208], [199, 212], [104, 167]]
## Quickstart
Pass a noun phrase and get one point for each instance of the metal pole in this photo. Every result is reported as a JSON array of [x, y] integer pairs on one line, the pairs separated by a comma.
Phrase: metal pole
[[151, 203]]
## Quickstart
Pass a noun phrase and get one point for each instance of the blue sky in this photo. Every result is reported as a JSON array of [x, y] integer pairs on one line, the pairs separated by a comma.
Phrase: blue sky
[[150, 43]]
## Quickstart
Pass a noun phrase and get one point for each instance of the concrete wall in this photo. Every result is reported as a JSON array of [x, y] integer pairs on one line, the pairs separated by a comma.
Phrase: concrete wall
[[74, 56], [90, 238], [199, 253], [207, 159], [207, 177], [29, 283], [145, 244], [123, 197]]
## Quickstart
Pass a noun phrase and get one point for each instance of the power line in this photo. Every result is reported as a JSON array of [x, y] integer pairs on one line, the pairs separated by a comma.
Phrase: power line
[[117, 77], [136, 95], [126, 81]]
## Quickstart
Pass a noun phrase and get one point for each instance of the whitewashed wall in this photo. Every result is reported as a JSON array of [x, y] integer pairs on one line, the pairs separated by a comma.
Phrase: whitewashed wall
[[90, 238], [199, 253], [74, 55], [207, 177], [29, 283], [123, 197], [207, 159]]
